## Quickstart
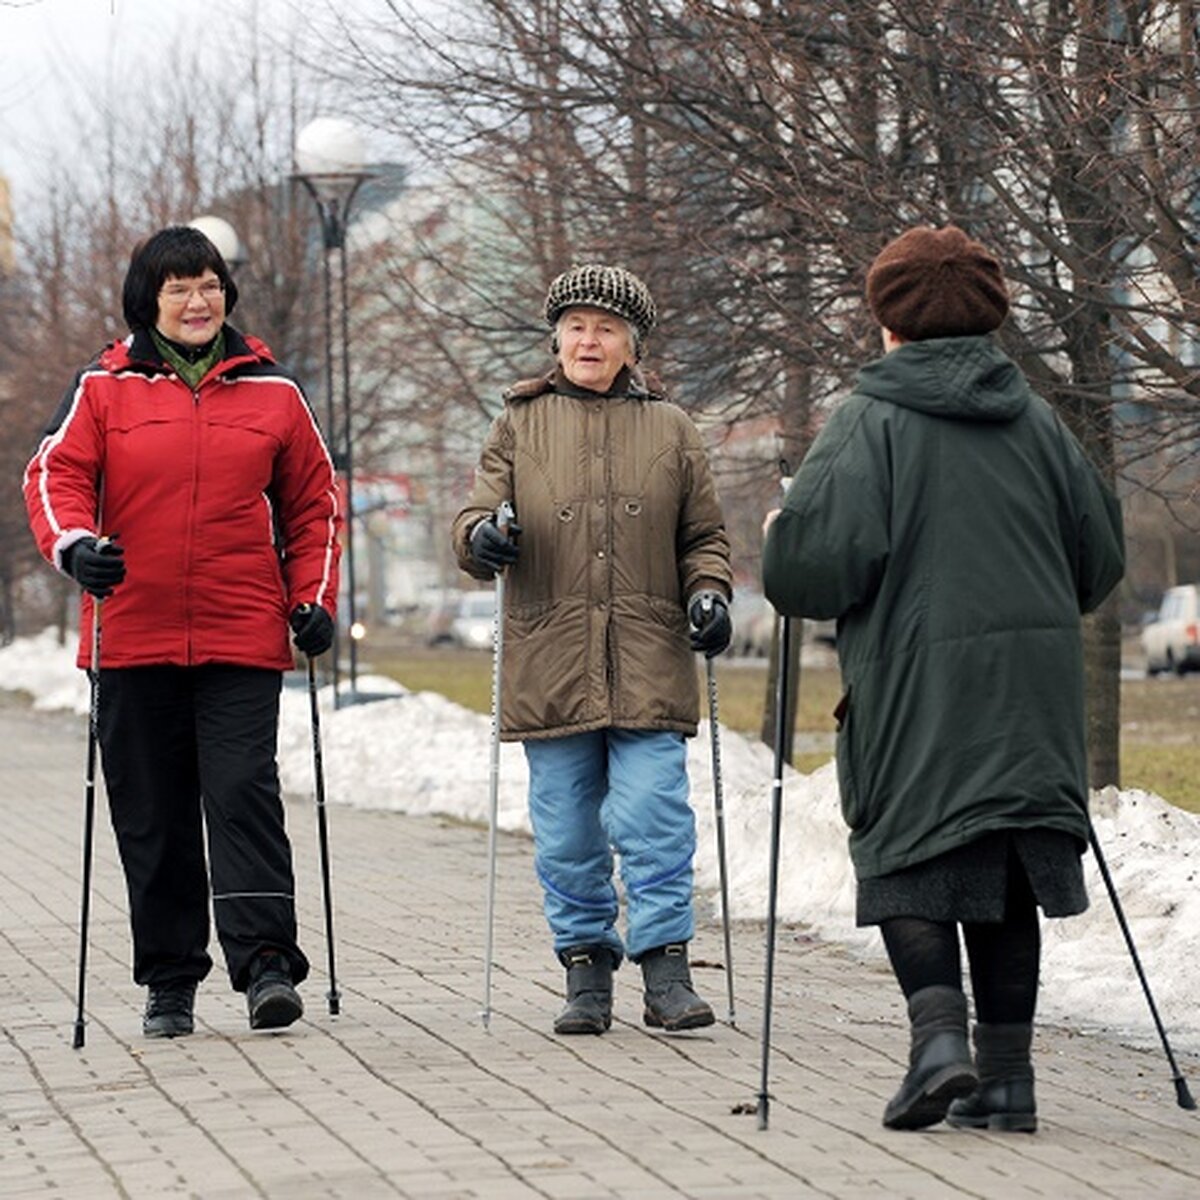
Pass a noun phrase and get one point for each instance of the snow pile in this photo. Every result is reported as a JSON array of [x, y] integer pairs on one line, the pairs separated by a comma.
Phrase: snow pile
[[419, 753]]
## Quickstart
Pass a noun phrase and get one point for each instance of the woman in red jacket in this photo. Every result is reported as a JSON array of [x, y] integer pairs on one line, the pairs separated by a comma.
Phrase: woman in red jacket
[[184, 483]]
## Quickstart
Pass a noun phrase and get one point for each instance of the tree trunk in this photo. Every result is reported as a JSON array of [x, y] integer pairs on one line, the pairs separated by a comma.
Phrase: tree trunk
[[1102, 692]]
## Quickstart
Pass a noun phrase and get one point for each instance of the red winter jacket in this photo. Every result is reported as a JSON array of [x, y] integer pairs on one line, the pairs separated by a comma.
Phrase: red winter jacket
[[197, 486]]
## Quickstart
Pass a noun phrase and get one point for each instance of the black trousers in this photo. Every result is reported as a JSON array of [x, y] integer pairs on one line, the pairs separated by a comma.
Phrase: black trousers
[[1004, 956], [187, 750]]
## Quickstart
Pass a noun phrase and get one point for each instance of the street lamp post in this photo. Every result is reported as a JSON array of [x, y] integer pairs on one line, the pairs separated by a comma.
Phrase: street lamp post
[[224, 237], [329, 164]]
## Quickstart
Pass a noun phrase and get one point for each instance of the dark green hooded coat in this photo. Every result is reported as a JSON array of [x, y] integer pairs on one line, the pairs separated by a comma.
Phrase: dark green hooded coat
[[953, 526]]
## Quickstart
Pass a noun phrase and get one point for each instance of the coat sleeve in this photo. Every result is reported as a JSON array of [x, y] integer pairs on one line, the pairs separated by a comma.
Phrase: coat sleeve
[[826, 551], [493, 484], [62, 481], [309, 514], [702, 543]]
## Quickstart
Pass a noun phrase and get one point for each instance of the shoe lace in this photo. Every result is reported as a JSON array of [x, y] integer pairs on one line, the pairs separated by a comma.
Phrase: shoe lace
[[170, 999], [270, 967]]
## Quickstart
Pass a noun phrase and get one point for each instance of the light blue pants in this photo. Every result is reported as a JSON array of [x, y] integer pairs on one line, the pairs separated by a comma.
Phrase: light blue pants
[[613, 789]]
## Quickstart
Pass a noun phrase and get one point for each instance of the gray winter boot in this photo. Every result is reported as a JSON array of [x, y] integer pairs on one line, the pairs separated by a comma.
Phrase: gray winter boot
[[1004, 1098], [589, 990], [671, 1003], [939, 1062]]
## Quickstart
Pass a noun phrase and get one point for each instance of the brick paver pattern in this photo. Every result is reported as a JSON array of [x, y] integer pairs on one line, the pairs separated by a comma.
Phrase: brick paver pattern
[[405, 1094]]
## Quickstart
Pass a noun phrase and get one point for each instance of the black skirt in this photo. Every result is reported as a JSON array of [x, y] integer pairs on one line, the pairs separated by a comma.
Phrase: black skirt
[[969, 883]]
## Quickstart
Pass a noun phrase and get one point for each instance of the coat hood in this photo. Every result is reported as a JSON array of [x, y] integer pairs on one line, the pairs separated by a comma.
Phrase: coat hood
[[959, 378]]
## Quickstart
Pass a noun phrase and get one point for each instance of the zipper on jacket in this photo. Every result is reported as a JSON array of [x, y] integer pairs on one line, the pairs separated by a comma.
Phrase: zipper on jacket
[[610, 664], [189, 615]]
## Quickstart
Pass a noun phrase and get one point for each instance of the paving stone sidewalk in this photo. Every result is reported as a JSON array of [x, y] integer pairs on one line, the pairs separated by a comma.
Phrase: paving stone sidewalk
[[405, 1094]]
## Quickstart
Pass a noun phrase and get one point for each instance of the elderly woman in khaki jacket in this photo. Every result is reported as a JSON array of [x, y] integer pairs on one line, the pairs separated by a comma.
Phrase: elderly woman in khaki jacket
[[620, 572]]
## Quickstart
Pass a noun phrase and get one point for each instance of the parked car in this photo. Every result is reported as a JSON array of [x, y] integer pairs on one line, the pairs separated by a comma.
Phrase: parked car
[[754, 626], [472, 624], [1171, 640]]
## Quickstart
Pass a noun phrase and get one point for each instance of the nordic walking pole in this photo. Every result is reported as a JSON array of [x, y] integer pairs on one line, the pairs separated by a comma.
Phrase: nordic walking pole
[[781, 719], [719, 804], [89, 818], [1182, 1094], [504, 517], [322, 831], [781, 715]]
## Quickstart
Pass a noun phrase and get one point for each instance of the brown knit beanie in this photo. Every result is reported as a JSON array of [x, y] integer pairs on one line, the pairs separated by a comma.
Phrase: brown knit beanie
[[933, 283]]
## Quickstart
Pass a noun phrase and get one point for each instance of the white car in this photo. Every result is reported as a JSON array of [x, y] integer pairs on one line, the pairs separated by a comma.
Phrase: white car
[[473, 623], [1172, 640]]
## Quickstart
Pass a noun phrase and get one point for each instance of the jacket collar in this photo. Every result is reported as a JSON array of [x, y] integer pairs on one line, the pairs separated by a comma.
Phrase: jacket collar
[[138, 352], [631, 383]]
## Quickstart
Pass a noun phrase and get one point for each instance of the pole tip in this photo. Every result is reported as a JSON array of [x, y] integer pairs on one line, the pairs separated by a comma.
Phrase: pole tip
[[335, 1004], [1183, 1094], [763, 1106], [77, 1040]]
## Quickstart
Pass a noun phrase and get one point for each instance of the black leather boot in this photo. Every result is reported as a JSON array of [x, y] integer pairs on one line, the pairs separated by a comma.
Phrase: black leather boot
[[671, 1002], [940, 1068], [589, 990], [1004, 1098], [271, 997], [169, 1009]]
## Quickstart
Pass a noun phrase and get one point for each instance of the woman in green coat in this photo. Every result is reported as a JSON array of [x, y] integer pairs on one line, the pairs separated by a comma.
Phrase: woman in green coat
[[954, 527]]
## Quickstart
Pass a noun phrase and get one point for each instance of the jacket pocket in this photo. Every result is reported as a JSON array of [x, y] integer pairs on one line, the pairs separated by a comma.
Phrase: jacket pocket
[[645, 554], [545, 679], [853, 811]]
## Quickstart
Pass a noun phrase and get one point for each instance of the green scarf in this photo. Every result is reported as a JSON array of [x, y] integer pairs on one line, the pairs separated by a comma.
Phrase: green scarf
[[191, 364]]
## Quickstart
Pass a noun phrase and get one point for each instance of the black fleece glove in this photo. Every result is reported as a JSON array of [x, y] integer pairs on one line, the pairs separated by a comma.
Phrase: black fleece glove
[[312, 629], [490, 548], [711, 626], [97, 566]]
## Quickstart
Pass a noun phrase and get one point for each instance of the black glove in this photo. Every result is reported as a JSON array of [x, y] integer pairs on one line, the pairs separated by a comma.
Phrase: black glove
[[312, 629], [490, 548], [97, 566], [711, 626]]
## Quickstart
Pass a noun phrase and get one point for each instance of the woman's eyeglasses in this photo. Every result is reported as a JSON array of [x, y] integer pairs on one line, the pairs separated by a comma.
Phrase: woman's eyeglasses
[[181, 293]]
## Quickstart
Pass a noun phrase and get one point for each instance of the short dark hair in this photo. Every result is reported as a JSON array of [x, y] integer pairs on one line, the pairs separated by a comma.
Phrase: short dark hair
[[177, 251]]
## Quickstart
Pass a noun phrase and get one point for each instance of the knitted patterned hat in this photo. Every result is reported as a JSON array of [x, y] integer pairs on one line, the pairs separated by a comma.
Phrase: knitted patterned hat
[[931, 283], [613, 289]]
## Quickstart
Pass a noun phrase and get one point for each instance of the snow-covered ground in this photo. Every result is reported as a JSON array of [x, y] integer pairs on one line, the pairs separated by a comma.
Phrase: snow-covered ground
[[416, 752]]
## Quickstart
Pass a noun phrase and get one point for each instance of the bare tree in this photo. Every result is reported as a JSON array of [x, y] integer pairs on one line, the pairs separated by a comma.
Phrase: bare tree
[[751, 157], [201, 136]]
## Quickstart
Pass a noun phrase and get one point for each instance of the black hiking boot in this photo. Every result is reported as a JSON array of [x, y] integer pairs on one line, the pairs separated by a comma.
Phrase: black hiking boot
[[671, 1002], [271, 996], [1004, 1099], [169, 1009], [940, 1068], [589, 990]]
